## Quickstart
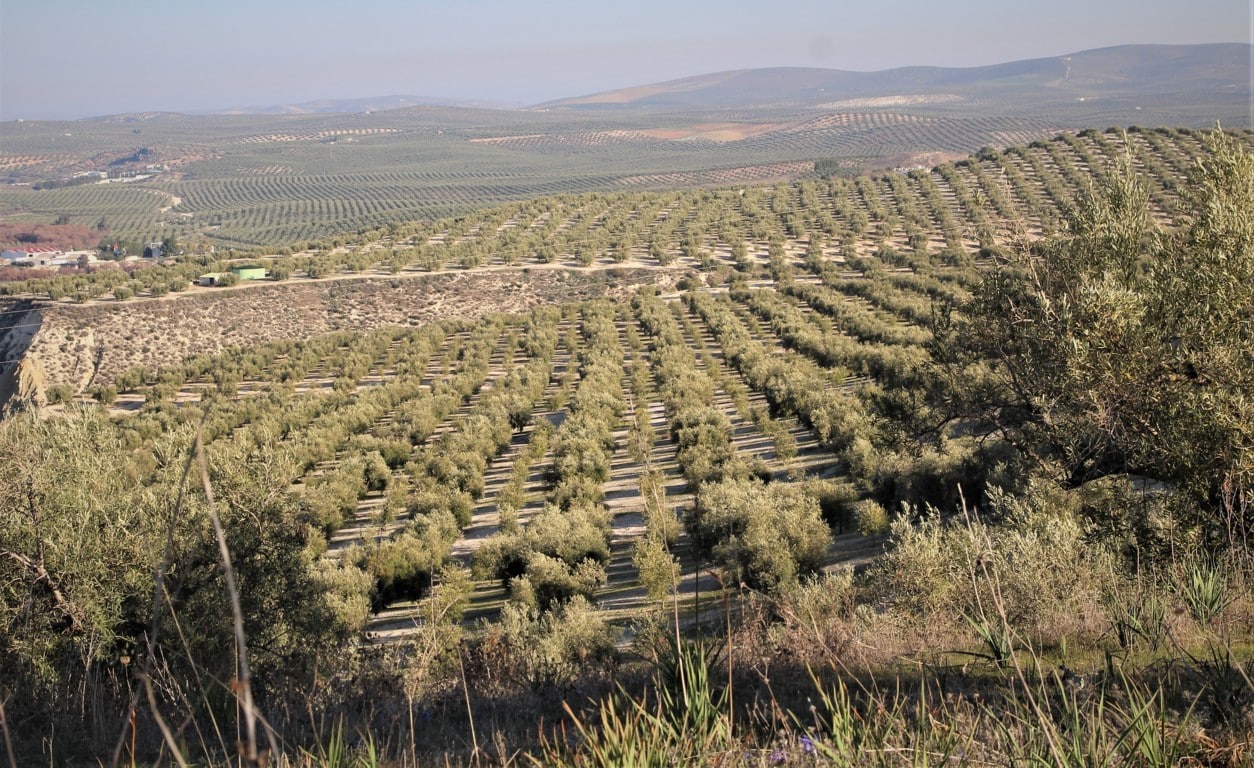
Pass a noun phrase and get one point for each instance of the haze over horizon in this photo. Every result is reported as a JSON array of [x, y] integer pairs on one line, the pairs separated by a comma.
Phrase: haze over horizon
[[69, 59]]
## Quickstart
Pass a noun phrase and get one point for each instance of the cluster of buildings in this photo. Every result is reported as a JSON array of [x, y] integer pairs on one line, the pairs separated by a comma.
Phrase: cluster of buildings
[[44, 257], [52, 257], [36, 256]]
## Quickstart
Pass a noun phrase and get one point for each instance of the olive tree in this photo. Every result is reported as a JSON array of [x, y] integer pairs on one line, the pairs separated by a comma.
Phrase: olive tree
[[761, 534], [86, 523], [1119, 347]]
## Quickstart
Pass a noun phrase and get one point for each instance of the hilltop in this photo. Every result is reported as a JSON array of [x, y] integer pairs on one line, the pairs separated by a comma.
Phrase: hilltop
[[1125, 74], [253, 181]]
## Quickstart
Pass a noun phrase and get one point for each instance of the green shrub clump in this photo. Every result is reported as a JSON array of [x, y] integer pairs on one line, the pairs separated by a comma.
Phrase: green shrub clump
[[761, 534]]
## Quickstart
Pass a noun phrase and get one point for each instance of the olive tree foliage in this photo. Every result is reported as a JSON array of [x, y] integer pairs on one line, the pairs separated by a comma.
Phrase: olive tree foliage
[[1120, 347], [85, 523], [289, 618], [764, 535], [70, 562]]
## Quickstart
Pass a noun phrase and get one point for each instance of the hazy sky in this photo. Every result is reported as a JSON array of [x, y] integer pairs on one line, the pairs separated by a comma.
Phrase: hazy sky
[[79, 58]]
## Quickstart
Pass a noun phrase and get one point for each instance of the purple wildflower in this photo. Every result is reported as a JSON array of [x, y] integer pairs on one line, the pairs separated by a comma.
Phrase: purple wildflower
[[807, 745]]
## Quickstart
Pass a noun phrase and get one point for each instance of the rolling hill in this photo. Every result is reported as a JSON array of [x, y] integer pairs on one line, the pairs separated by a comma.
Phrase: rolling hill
[[266, 181], [1122, 72]]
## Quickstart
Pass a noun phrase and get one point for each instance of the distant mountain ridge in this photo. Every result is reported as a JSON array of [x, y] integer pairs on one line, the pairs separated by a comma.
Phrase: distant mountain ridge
[[1123, 71], [1219, 70], [358, 105]]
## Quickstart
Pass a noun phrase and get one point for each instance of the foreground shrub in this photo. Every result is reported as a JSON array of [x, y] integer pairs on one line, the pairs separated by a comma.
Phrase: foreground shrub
[[1035, 571], [553, 648]]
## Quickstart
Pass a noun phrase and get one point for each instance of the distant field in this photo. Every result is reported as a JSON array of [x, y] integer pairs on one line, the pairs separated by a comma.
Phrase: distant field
[[268, 181]]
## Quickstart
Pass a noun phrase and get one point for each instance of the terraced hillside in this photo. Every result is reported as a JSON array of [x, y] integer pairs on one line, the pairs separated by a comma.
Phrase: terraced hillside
[[994, 200]]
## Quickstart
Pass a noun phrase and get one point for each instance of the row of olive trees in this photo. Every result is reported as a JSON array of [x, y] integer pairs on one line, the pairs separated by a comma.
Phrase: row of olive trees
[[792, 384], [700, 431], [759, 533], [562, 551], [873, 429], [843, 336]]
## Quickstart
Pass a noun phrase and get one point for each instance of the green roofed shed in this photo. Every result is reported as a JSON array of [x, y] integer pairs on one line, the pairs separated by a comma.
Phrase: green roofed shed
[[250, 273]]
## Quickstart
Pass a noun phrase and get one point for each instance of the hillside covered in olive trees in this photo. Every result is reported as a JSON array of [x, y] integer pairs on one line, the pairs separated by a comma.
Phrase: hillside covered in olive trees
[[941, 466], [88, 328], [322, 173]]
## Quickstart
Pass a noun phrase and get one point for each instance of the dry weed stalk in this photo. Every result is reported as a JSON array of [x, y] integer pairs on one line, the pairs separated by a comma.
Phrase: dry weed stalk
[[8, 740], [242, 685]]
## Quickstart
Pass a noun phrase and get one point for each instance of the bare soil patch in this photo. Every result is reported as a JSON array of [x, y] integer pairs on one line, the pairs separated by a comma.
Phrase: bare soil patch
[[720, 132]]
